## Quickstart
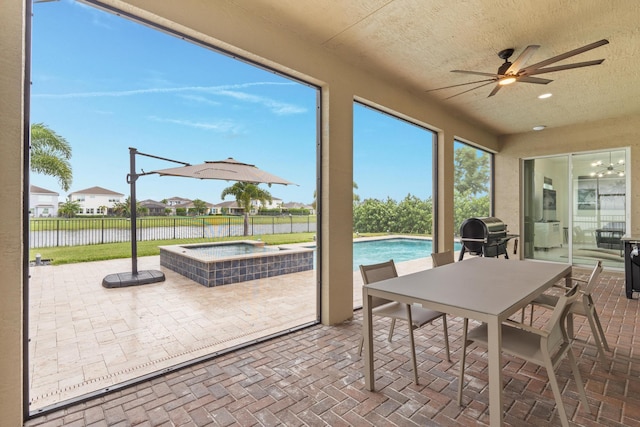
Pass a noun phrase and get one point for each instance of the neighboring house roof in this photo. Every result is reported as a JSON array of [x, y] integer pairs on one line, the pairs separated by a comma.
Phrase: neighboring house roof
[[190, 204], [152, 204], [232, 204], [97, 190], [39, 190], [178, 199]]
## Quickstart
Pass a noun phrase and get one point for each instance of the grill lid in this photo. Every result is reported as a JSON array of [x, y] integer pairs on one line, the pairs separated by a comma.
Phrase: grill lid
[[483, 228], [478, 232]]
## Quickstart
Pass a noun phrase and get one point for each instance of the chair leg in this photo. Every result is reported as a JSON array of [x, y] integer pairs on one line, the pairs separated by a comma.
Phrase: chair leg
[[598, 324], [557, 394], [412, 343], [596, 336], [446, 336], [462, 359], [578, 379], [530, 318], [361, 344], [392, 327]]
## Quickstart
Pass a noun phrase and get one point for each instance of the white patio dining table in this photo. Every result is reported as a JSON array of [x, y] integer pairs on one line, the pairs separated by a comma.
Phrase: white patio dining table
[[485, 289]]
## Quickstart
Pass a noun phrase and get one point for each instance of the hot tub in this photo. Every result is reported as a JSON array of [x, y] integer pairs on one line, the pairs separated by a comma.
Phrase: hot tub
[[223, 263]]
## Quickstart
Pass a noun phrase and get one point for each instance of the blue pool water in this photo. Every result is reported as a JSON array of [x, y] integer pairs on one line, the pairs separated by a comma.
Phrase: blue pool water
[[375, 251], [227, 250]]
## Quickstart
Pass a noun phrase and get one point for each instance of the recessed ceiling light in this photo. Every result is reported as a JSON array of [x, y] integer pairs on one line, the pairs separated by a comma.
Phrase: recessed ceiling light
[[539, 127], [545, 96]]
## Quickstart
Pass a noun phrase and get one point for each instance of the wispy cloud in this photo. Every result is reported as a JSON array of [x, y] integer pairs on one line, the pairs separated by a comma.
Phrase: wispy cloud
[[223, 126], [201, 99], [280, 108], [232, 91]]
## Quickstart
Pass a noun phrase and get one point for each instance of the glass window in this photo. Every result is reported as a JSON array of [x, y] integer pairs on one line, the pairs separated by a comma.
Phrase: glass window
[[393, 183], [177, 98]]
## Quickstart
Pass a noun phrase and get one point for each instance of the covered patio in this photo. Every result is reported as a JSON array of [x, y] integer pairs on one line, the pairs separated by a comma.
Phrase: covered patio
[[386, 54], [313, 376]]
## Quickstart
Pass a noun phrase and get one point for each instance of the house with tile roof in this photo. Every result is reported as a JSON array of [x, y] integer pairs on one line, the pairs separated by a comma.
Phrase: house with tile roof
[[154, 208], [296, 205], [43, 203], [94, 200], [229, 208]]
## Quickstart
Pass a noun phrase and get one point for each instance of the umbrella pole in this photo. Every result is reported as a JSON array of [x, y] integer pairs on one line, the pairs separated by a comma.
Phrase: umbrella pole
[[132, 178], [135, 277]]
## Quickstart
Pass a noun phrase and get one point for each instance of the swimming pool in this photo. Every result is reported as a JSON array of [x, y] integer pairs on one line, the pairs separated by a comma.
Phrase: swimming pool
[[398, 249], [224, 263]]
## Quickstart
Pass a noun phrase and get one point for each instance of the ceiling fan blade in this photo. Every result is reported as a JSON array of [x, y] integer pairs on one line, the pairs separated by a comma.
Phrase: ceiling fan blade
[[469, 90], [565, 55], [527, 79], [477, 73], [522, 59], [495, 90], [565, 67], [461, 84]]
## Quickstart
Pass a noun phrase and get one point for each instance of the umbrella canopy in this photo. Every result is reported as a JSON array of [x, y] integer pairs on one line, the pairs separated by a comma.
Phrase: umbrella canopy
[[226, 170]]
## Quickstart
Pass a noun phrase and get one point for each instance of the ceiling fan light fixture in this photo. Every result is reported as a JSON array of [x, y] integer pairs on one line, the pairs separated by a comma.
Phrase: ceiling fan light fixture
[[507, 81]]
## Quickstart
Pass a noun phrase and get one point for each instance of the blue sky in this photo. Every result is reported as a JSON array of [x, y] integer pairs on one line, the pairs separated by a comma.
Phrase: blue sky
[[106, 84]]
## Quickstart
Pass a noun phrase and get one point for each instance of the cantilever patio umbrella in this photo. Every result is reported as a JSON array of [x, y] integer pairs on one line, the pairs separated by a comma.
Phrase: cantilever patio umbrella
[[225, 170]]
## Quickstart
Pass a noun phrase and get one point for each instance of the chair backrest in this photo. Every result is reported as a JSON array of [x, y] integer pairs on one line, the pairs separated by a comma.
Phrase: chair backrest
[[593, 279], [556, 324], [377, 272], [442, 258]]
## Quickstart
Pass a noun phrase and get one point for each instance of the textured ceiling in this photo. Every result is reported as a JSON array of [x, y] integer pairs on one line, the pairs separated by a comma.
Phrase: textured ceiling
[[419, 42]]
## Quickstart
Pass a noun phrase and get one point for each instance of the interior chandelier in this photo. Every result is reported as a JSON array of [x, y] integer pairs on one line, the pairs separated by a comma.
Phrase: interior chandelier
[[610, 169]]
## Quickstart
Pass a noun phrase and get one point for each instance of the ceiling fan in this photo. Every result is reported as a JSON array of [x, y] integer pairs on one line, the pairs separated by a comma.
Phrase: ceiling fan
[[517, 72]]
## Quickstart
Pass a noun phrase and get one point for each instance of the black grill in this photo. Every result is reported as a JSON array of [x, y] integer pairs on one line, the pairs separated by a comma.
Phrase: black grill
[[484, 237]]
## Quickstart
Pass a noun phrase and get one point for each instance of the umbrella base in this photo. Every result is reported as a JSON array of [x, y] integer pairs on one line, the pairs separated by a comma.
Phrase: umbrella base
[[121, 280]]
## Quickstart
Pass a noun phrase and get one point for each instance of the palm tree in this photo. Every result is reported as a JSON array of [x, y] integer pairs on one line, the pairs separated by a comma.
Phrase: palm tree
[[69, 209], [244, 192], [50, 154], [124, 208], [200, 206]]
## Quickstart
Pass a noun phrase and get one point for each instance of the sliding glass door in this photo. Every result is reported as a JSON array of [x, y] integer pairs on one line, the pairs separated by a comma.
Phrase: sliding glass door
[[575, 207]]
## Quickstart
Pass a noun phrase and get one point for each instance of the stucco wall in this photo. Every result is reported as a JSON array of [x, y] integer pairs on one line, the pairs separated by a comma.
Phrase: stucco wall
[[11, 131]]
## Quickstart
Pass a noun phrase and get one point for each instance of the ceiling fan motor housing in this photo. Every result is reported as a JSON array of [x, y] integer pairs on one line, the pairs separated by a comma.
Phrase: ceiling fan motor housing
[[505, 54]]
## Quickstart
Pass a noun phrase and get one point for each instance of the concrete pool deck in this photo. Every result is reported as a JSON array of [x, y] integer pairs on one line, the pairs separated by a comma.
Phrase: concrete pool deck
[[84, 337]]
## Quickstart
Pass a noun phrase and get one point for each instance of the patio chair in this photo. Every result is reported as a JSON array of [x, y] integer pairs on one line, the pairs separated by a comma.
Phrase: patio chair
[[415, 315], [544, 347], [442, 258], [585, 307]]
